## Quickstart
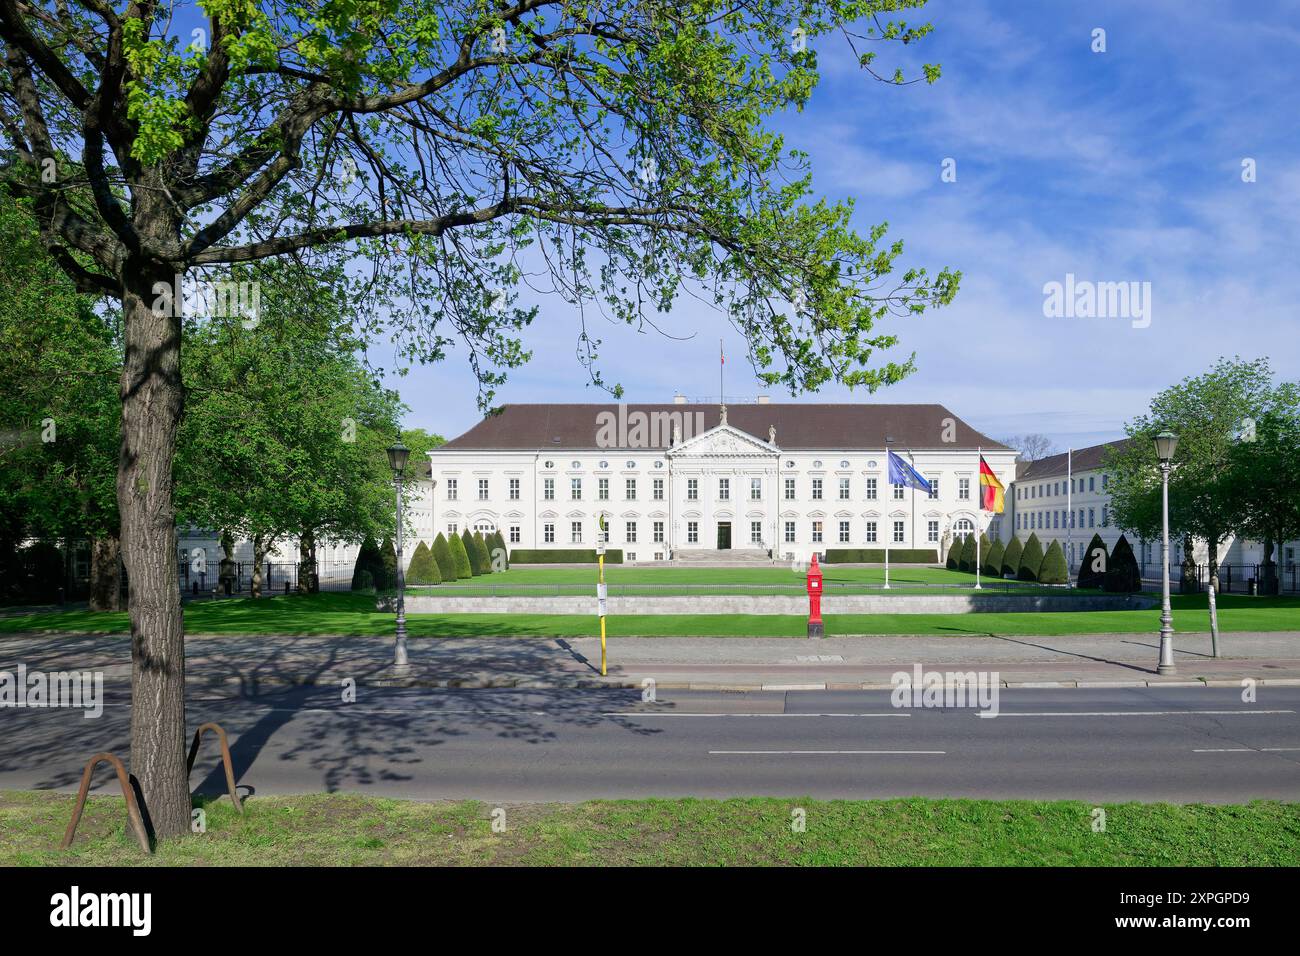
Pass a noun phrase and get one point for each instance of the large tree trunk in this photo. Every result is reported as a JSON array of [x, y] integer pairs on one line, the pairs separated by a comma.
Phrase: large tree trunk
[[308, 577], [152, 400], [105, 573]]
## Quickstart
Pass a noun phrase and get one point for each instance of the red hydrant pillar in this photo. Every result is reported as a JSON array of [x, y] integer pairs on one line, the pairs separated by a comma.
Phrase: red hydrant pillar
[[815, 626]]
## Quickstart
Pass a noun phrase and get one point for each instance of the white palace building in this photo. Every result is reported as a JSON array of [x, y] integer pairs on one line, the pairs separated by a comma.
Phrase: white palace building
[[689, 480]]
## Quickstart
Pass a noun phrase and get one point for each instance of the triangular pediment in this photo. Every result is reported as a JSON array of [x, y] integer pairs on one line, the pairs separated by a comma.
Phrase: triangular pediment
[[723, 441]]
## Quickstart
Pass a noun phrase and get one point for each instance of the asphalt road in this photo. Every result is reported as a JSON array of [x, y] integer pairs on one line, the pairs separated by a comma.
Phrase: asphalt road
[[508, 746]]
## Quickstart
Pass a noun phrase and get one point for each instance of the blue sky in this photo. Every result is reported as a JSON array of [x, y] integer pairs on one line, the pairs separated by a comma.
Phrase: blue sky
[[1117, 166]]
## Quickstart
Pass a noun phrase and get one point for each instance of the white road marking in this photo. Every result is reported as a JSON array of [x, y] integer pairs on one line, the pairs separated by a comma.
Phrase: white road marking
[[1249, 750], [824, 753], [636, 713], [1141, 713]]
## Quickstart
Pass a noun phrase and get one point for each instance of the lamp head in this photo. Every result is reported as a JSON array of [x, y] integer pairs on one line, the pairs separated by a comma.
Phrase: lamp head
[[1166, 444], [397, 457]]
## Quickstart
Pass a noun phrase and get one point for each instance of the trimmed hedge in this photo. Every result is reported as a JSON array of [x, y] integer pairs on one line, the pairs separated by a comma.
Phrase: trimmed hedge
[[564, 556], [368, 563], [467, 542], [1090, 576], [386, 573], [967, 562], [446, 561], [1054, 570], [877, 556], [497, 547], [481, 552], [1031, 559], [461, 557], [1123, 576], [423, 569], [954, 555], [991, 561], [1011, 558]]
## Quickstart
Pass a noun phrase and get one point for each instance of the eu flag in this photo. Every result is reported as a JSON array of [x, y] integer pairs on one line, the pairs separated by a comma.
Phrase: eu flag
[[901, 473]]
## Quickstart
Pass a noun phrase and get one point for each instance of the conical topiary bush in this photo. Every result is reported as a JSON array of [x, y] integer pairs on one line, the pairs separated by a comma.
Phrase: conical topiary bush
[[484, 556], [1092, 566], [954, 555], [1031, 559], [367, 559], [443, 556], [1011, 558], [993, 560], [968, 554], [1054, 570], [423, 569], [467, 542], [386, 573], [1123, 576], [460, 556]]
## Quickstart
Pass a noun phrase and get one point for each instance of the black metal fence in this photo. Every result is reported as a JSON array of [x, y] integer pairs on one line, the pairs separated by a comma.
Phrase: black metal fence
[[277, 578], [1248, 579]]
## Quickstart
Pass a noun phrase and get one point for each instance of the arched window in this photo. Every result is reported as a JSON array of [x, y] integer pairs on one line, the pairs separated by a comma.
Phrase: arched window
[[963, 528], [487, 527]]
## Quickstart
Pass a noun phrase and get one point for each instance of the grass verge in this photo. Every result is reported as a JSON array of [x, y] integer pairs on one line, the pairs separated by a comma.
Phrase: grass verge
[[342, 830]]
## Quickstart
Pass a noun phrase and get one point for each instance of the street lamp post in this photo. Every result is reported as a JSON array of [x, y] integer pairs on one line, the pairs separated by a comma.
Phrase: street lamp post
[[1166, 443], [397, 456]]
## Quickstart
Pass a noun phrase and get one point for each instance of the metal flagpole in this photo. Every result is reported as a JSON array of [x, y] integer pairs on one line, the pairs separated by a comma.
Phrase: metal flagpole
[[888, 522], [1069, 506], [979, 471]]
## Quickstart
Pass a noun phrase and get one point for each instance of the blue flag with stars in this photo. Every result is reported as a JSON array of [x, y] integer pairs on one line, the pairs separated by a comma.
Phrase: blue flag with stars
[[901, 473]]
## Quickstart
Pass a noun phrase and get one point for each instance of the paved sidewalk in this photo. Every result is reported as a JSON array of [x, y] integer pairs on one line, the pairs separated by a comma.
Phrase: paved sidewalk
[[696, 663]]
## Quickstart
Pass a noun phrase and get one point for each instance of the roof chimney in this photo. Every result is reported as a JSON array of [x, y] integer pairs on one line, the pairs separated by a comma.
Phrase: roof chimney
[[764, 400], [679, 399]]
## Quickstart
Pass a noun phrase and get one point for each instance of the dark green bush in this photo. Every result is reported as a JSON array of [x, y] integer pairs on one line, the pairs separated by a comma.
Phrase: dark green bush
[[954, 555], [1054, 570], [563, 556], [1031, 559], [1011, 558], [482, 554], [991, 561], [1123, 576], [1092, 568], [877, 556], [444, 558], [460, 556], [367, 560]]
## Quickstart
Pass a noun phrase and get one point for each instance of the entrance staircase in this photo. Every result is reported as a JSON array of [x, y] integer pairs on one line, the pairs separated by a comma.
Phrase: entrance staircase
[[721, 557]]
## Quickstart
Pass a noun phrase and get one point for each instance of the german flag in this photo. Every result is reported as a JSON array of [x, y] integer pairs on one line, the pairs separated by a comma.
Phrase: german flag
[[991, 497]]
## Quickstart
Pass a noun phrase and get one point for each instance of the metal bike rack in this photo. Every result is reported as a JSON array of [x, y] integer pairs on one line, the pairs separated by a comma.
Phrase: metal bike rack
[[225, 759], [134, 819]]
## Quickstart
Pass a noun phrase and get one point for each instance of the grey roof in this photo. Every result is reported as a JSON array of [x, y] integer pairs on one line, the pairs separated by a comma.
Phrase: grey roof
[[798, 426], [1083, 459]]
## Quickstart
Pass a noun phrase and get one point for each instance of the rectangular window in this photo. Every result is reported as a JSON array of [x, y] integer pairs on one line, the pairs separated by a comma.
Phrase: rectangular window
[[658, 529], [1056, 519], [602, 489], [692, 489], [789, 489], [871, 489], [817, 489], [844, 532], [548, 489], [514, 534], [934, 488], [963, 489], [629, 532], [692, 532], [871, 535], [514, 489], [898, 532], [657, 489], [756, 532], [1105, 516], [756, 489], [451, 489], [630, 488], [932, 531], [1092, 514], [1017, 522], [898, 492], [724, 489], [482, 489], [453, 528], [575, 532], [844, 489], [548, 533], [1092, 482], [1105, 482], [789, 532], [817, 532], [575, 489]]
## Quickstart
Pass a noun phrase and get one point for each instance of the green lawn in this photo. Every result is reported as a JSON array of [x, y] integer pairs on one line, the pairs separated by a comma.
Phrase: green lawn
[[355, 614], [338, 830], [779, 579]]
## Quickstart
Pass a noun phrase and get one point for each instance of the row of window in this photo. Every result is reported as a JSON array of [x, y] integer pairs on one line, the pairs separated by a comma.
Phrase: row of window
[[843, 531], [1043, 489], [1037, 520], [844, 489]]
